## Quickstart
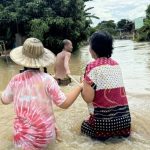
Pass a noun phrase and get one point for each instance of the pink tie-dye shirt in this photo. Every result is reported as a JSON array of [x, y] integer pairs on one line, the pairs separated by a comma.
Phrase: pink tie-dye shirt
[[33, 93]]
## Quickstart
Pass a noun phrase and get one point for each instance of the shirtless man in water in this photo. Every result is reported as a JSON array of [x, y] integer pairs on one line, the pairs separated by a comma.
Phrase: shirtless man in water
[[62, 61]]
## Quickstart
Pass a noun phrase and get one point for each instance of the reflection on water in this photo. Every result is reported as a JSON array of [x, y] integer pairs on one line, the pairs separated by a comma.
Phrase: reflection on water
[[134, 59]]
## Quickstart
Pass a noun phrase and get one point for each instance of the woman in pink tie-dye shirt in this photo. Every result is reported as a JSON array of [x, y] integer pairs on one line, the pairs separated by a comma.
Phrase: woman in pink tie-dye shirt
[[32, 93]]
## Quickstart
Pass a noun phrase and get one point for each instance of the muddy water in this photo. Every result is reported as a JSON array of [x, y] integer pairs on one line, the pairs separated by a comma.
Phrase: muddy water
[[134, 59]]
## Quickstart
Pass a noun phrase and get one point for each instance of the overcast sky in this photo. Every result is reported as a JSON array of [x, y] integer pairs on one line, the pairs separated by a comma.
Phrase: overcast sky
[[118, 9]]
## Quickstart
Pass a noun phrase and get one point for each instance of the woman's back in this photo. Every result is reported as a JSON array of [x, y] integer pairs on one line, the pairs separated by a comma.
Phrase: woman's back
[[106, 75], [33, 93]]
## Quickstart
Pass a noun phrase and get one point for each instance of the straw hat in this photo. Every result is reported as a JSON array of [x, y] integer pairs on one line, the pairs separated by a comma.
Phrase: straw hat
[[32, 54]]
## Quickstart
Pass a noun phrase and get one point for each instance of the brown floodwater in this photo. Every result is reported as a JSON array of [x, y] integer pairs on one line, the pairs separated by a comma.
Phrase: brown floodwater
[[134, 59]]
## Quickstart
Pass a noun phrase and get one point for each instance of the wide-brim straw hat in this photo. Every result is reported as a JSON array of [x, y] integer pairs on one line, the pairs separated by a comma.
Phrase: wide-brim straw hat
[[32, 54]]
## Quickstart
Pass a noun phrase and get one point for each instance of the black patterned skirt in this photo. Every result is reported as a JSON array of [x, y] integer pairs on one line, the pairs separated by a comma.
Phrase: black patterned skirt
[[107, 123]]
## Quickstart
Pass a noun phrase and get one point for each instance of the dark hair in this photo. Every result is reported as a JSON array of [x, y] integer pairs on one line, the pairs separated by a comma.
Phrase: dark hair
[[102, 44], [26, 68], [45, 70]]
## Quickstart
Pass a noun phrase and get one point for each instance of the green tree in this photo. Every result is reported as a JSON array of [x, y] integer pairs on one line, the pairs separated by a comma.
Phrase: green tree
[[144, 32], [108, 26], [49, 20], [148, 12], [125, 25]]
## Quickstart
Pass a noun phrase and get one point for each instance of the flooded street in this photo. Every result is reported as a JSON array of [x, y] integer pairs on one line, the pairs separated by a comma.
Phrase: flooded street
[[134, 59]]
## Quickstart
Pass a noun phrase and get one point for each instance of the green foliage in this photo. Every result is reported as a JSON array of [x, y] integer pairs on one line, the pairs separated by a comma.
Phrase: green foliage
[[108, 26], [125, 25], [144, 32], [148, 12], [49, 20], [114, 29], [38, 28]]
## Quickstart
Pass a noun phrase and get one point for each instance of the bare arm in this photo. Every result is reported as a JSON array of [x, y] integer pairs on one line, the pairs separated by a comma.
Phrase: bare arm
[[88, 92], [1, 101], [5, 102], [71, 97], [7, 97], [66, 62]]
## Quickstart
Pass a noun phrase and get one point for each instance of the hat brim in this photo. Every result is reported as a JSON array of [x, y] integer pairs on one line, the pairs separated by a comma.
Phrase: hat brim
[[46, 59]]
